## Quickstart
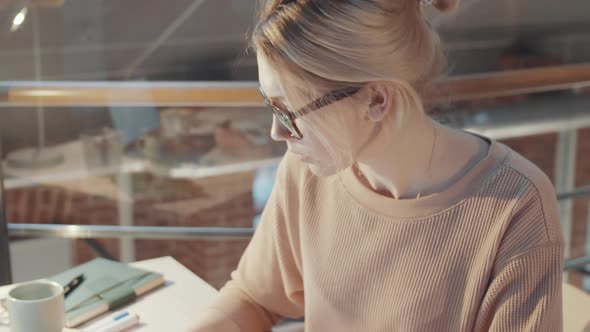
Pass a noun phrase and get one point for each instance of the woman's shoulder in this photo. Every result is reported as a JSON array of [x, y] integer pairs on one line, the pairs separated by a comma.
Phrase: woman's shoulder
[[531, 219], [530, 172], [536, 194]]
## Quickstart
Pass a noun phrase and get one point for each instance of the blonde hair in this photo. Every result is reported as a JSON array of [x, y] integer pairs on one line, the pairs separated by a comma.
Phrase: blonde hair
[[320, 45]]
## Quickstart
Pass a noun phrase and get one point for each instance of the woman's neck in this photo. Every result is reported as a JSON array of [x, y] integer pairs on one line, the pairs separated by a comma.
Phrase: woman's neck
[[417, 160]]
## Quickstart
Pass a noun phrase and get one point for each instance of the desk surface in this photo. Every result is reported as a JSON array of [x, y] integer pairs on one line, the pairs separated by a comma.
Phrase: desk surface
[[172, 307], [175, 306], [576, 309]]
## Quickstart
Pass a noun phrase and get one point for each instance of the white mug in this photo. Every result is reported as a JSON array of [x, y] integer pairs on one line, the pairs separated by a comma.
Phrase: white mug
[[36, 306]]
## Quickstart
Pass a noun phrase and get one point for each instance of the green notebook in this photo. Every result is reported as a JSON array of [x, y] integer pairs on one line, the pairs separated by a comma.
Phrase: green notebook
[[107, 285]]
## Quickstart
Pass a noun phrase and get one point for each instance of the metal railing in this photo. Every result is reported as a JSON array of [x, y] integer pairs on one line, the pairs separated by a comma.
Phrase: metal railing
[[576, 193], [173, 232], [207, 233], [113, 231]]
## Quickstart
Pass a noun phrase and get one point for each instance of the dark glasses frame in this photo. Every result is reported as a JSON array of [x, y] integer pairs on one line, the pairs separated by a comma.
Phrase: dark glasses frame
[[287, 118]]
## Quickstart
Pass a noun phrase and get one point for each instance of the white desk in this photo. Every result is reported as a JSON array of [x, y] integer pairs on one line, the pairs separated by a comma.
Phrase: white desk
[[173, 307], [576, 309]]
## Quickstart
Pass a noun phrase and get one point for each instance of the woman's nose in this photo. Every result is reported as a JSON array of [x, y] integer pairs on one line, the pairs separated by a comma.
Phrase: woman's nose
[[278, 132]]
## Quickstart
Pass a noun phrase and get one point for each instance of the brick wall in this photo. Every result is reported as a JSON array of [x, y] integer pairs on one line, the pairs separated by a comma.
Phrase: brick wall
[[580, 206], [216, 202]]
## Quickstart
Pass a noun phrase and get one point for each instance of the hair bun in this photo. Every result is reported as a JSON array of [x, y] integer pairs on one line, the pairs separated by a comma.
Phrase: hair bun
[[445, 5]]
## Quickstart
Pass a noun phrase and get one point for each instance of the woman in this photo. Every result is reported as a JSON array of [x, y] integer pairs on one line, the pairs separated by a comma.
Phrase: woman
[[382, 219]]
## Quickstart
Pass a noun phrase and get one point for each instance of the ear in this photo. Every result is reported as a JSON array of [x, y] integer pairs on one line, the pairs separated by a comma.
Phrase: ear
[[381, 96]]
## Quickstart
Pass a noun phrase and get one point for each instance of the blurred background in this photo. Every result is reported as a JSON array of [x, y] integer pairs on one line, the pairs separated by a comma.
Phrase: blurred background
[[137, 120]]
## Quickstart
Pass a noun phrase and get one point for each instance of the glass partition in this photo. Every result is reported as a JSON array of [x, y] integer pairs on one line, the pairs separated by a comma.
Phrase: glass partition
[[140, 166], [142, 119]]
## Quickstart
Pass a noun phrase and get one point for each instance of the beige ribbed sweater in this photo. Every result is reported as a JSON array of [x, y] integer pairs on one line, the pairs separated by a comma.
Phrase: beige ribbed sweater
[[486, 254]]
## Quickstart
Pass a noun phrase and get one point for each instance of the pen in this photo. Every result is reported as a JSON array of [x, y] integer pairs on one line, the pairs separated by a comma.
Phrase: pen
[[69, 288], [98, 325], [119, 324]]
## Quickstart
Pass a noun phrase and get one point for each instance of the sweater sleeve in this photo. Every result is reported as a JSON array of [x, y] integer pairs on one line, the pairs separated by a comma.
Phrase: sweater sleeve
[[267, 284], [525, 294]]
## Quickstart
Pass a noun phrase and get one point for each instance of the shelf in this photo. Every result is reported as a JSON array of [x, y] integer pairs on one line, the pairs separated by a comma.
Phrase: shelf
[[74, 168]]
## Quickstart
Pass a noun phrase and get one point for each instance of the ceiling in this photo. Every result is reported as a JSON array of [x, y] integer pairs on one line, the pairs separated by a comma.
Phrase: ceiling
[[206, 39]]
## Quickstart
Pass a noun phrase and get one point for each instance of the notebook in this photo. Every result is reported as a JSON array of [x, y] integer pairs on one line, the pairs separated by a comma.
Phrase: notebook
[[107, 285]]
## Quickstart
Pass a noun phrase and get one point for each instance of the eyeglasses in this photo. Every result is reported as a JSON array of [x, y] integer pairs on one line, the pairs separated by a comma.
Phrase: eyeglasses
[[287, 118]]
